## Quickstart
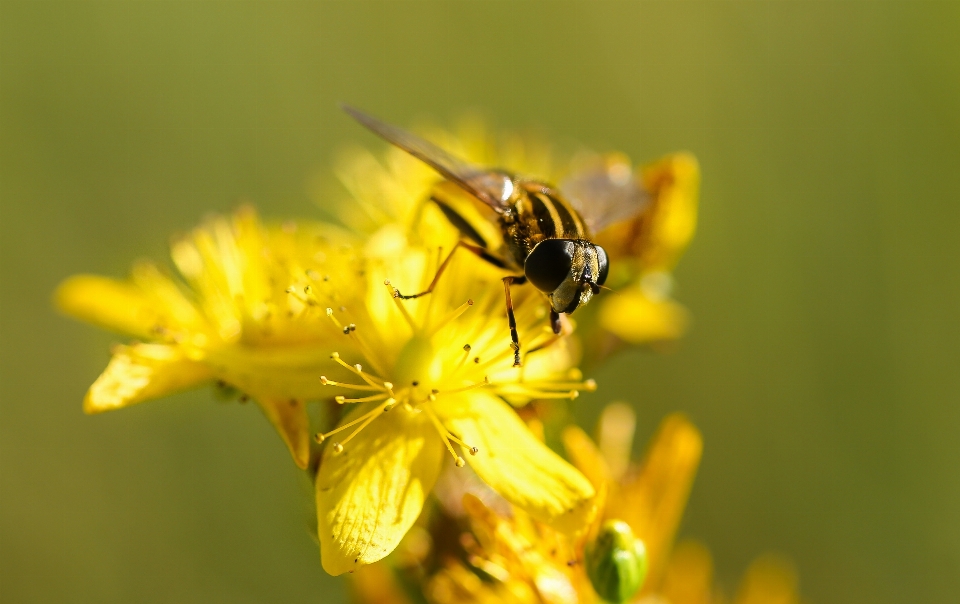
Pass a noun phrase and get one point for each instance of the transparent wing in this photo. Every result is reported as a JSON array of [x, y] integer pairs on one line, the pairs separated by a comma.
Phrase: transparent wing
[[605, 193], [490, 187]]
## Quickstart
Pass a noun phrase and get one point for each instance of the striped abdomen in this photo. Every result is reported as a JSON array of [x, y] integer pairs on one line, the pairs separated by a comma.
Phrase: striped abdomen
[[541, 213]]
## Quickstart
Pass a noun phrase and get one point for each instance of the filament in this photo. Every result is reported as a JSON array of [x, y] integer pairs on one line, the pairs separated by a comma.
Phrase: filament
[[326, 382], [351, 331], [366, 399], [364, 420], [481, 384], [452, 316], [395, 294], [357, 369], [445, 436]]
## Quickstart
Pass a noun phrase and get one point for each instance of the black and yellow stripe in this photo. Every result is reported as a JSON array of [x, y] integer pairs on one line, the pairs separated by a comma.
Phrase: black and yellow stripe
[[548, 215]]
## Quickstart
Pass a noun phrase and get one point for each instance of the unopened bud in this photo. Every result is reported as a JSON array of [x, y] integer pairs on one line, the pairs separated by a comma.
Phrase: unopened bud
[[616, 562]]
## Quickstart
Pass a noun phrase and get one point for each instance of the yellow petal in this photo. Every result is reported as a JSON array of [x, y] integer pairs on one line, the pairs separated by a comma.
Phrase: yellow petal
[[369, 495], [167, 295], [377, 583], [585, 455], [688, 578], [671, 221], [769, 580], [516, 465], [141, 372], [615, 431], [289, 417], [653, 503], [657, 237], [636, 318], [115, 305]]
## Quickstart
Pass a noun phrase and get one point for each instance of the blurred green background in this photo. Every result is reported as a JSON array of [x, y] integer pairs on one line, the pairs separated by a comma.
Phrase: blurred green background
[[824, 362]]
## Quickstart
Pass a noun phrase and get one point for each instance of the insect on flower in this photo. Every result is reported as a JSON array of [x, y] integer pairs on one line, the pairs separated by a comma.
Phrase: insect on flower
[[546, 233]]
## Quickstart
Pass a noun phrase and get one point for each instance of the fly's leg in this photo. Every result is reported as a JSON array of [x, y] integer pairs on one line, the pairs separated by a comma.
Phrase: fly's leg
[[511, 319], [555, 322], [479, 251]]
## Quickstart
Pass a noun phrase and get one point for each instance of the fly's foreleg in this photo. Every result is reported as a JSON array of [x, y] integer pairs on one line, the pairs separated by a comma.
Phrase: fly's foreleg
[[479, 251], [511, 318]]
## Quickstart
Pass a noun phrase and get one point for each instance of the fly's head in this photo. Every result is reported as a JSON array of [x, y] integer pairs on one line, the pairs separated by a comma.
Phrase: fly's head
[[568, 271]]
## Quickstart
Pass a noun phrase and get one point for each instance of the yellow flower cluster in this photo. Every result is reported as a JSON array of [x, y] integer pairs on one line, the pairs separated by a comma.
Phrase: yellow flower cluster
[[292, 314], [506, 556]]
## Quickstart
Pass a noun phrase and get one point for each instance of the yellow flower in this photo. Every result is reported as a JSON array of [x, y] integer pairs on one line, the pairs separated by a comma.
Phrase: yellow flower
[[510, 557], [518, 551], [650, 496], [645, 250], [229, 320], [431, 377], [295, 313]]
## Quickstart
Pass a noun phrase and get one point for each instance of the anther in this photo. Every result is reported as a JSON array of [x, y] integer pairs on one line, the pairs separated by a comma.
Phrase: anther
[[337, 448], [346, 331], [590, 385], [319, 437], [340, 399], [466, 348], [388, 385], [334, 355], [474, 450], [460, 463]]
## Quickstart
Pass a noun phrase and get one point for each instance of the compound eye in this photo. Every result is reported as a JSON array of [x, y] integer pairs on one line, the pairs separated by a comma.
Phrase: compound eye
[[549, 264], [603, 263]]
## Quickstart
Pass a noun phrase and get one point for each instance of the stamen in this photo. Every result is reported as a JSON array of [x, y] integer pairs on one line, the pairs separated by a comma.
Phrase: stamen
[[351, 330], [543, 394], [366, 399], [357, 369], [326, 382], [444, 436], [481, 384], [334, 319], [471, 450], [466, 355], [395, 294], [364, 420], [544, 389], [293, 291], [451, 317]]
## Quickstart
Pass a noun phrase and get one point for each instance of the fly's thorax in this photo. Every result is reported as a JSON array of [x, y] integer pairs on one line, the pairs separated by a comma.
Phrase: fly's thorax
[[569, 271]]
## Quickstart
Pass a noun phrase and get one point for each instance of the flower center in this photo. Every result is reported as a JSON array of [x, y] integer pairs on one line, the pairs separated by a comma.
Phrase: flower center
[[431, 366]]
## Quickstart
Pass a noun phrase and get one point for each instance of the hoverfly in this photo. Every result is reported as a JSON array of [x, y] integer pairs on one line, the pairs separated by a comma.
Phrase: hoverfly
[[546, 233]]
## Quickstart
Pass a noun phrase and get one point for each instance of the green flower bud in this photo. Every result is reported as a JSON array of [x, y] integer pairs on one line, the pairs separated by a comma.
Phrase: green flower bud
[[616, 562]]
